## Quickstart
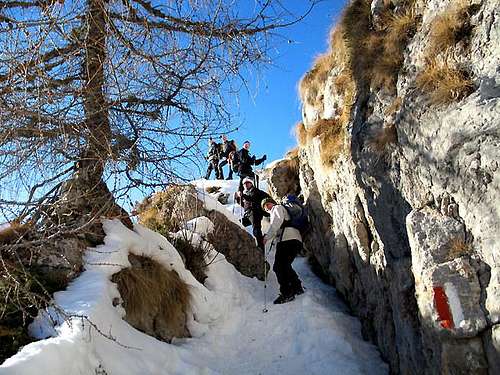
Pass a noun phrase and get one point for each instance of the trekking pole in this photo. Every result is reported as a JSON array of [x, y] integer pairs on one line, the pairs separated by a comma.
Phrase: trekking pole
[[265, 276]]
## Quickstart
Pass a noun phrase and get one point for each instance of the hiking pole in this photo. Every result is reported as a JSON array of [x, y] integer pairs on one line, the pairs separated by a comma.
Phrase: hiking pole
[[265, 276]]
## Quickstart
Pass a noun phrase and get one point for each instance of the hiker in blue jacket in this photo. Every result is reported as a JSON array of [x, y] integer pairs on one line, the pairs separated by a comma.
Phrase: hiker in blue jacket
[[288, 244]]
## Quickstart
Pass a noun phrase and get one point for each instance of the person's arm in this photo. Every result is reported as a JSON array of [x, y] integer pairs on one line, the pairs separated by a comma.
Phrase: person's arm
[[278, 214], [261, 160]]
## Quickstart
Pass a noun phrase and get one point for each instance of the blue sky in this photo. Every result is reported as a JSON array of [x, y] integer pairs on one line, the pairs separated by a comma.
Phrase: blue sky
[[269, 117]]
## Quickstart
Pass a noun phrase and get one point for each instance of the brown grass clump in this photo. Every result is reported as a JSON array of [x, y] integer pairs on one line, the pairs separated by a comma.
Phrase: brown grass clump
[[356, 28], [14, 231], [212, 189], [394, 106], [300, 133], [155, 300], [311, 84], [451, 26], [150, 211], [331, 134], [195, 257], [382, 139], [292, 154], [444, 83], [457, 248], [400, 28]]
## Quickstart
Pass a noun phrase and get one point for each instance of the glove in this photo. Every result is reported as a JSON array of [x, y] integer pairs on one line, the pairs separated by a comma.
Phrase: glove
[[264, 157]]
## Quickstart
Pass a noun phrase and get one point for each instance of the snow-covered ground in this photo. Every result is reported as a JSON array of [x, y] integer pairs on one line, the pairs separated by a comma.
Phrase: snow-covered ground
[[231, 334]]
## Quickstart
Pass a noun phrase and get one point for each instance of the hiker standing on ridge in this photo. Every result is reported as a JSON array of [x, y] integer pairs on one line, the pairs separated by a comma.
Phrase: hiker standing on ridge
[[289, 244], [243, 161], [227, 148], [213, 157], [250, 200]]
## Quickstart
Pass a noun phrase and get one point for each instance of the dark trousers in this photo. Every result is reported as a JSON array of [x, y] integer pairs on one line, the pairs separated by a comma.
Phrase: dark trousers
[[223, 163], [286, 251], [256, 220], [213, 164]]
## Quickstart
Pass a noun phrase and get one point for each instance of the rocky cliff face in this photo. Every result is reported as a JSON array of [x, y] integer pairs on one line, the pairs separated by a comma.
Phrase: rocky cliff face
[[406, 213]]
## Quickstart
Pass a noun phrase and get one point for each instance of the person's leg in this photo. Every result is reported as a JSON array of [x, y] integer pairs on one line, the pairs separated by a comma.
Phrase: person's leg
[[290, 278], [230, 176], [257, 229], [294, 247], [218, 171], [280, 268], [221, 169], [209, 171]]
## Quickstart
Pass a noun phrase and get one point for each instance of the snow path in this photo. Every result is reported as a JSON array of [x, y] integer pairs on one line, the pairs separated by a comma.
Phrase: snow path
[[312, 335]]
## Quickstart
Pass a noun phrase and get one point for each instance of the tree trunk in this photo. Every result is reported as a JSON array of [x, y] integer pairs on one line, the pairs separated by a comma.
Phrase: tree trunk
[[97, 126]]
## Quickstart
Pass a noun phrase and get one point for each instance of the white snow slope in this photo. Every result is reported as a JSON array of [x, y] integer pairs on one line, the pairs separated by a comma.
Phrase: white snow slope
[[231, 333]]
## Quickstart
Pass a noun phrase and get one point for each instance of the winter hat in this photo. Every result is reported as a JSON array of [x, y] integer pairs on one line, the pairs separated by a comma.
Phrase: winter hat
[[266, 201], [247, 179], [246, 142]]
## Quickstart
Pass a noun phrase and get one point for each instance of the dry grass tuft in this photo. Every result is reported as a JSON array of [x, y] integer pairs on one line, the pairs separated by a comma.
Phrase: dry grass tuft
[[451, 26], [394, 106], [444, 83], [292, 154], [212, 189], [331, 134], [149, 211], [383, 139], [458, 248], [195, 257], [150, 291], [356, 28], [389, 45], [311, 84], [300, 133], [14, 231]]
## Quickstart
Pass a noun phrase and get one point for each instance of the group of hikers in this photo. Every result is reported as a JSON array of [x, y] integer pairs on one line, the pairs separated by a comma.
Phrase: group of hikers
[[287, 218], [226, 153]]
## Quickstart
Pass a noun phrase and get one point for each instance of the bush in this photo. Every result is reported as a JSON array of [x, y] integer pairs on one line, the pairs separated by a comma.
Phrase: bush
[[24, 291]]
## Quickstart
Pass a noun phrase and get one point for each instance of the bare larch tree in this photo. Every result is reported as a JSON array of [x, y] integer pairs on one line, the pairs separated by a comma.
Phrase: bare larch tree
[[100, 96]]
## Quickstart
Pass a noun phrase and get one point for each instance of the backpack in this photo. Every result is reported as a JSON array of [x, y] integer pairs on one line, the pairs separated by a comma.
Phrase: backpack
[[235, 161], [299, 218], [232, 145]]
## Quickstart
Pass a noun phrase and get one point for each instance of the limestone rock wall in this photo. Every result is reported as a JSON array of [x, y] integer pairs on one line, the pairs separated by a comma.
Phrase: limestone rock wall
[[409, 233]]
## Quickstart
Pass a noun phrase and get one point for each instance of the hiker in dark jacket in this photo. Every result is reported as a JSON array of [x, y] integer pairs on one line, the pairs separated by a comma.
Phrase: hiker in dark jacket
[[250, 200], [213, 157], [245, 161], [288, 244], [227, 148]]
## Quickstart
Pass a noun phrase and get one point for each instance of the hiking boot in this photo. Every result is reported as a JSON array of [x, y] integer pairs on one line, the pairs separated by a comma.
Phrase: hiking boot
[[283, 299]]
